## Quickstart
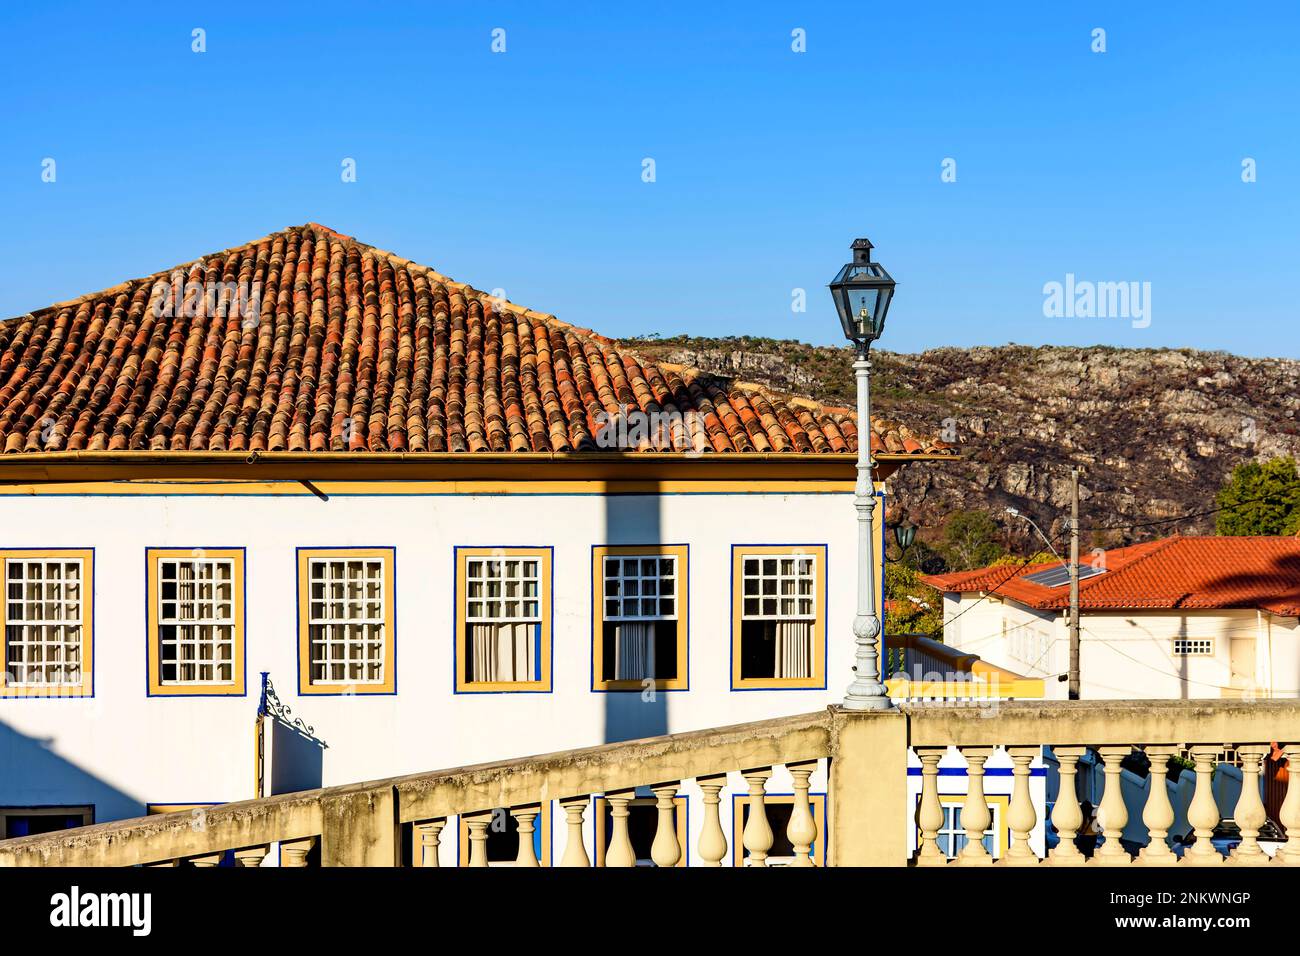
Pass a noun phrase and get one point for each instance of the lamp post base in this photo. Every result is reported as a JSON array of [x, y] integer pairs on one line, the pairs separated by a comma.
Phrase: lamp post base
[[854, 702]]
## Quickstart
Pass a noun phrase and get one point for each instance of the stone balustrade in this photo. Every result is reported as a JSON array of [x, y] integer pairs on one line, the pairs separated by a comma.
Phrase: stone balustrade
[[867, 755]]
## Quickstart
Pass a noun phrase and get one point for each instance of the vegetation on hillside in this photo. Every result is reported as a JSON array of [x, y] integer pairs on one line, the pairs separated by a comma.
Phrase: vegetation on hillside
[[1260, 497]]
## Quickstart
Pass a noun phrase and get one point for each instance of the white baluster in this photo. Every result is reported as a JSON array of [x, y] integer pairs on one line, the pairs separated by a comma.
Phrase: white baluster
[[1158, 814], [293, 853], [1113, 813], [526, 820], [1250, 814], [1203, 813], [929, 810], [666, 851], [976, 817], [477, 826], [619, 852], [757, 837], [1289, 815], [575, 850], [713, 841], [1020, 815], [802, 829], [1067, 816]]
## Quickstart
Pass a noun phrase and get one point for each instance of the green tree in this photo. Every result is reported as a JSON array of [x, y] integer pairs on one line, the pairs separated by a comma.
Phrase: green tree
[[1260, 498], [914, 607], [971, 540]]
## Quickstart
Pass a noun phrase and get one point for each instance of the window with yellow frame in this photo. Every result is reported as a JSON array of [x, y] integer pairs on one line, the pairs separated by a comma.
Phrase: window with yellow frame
[[778, 617], [47, 640], [639, 616], [503, 619], [195, 609], [346, 615], [780, 807]]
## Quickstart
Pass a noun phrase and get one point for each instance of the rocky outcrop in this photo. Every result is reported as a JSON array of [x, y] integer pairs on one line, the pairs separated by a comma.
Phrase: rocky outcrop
[[1156, 430]]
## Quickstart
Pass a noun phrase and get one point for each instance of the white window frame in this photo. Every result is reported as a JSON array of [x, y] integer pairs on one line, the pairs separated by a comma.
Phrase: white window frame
[[75, 624], [522, 599], [228, 627], [952, 831], [378, 645], [618, 578], [810, 576]]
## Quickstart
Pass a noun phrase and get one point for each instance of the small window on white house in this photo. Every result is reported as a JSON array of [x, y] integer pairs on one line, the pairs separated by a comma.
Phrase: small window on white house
[[640, 620], [503, 618], [196, 621], [347, 606], [780, 623], [44, 621], [1194, 646]]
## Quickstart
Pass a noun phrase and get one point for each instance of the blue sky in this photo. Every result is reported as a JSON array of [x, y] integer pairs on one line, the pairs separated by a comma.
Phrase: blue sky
[[523, 170]]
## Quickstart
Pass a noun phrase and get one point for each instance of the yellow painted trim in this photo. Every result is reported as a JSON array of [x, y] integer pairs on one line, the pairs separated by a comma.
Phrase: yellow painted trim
[[545, 586], [821, 597], [305, 685], [1001, 801], [152, 809], [816, 801], [1024, 688], [679, 818], [158, 689], [462, 830], [87, 686], [680, 552], [292, 488], [37, 467]]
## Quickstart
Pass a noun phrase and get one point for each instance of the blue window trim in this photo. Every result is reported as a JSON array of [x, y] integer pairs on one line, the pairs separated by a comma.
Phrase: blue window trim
[[591, 659], [297, 617], [457, 637], [243, 620], [94, 633], [731, 618]]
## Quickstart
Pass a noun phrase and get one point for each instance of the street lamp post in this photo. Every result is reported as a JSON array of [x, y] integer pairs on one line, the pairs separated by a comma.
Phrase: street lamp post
[[862, 292]]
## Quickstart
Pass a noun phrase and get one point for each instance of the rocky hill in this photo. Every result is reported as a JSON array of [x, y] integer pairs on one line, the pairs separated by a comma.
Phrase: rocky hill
[[1155, 430]]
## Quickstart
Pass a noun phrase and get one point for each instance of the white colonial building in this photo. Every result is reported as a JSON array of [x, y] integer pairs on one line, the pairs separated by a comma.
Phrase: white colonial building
[[304, 513]]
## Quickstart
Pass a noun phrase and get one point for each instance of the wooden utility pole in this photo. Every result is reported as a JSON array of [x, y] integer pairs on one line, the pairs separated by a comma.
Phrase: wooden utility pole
[[1074, 583]]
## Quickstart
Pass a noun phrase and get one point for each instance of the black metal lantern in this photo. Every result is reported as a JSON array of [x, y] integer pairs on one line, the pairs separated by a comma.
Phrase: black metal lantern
[[904, 535], [862, 292]]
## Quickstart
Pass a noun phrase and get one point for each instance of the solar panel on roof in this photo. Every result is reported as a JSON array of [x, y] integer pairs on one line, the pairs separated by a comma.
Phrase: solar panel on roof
[[1055, 577]]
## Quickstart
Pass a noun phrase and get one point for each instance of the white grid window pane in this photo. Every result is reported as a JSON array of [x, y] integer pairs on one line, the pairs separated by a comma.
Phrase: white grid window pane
[[503, 589], [346, 625], [196, 621], [778, 587], [43, 629], [640, 587]]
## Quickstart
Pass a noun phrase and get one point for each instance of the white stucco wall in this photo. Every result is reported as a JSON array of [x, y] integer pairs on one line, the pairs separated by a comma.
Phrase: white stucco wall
[[1129, 654], [122, 749]]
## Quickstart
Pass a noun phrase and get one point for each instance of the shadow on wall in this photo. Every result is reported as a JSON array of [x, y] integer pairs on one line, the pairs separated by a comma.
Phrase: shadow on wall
[[33, 775], [635, 519], [297, 758]]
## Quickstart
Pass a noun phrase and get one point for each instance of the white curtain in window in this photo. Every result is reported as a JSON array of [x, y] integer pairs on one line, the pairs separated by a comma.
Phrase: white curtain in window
[[794, 648], [503, 652], [634, 650]]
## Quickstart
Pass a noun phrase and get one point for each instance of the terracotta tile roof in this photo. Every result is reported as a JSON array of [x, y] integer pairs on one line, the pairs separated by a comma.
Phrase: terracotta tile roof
[[1176, 572], [354, 348]]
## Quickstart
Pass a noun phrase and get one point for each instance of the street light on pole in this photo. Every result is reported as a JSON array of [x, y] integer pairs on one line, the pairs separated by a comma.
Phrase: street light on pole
[[862, 292]]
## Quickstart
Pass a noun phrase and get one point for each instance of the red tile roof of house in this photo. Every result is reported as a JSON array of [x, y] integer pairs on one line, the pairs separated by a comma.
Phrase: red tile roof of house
[[357, 349], [1172, 573]]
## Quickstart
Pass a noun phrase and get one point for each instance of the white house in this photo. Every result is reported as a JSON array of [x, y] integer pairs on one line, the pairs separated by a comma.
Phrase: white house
[[1182, 617], [448, 528]]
